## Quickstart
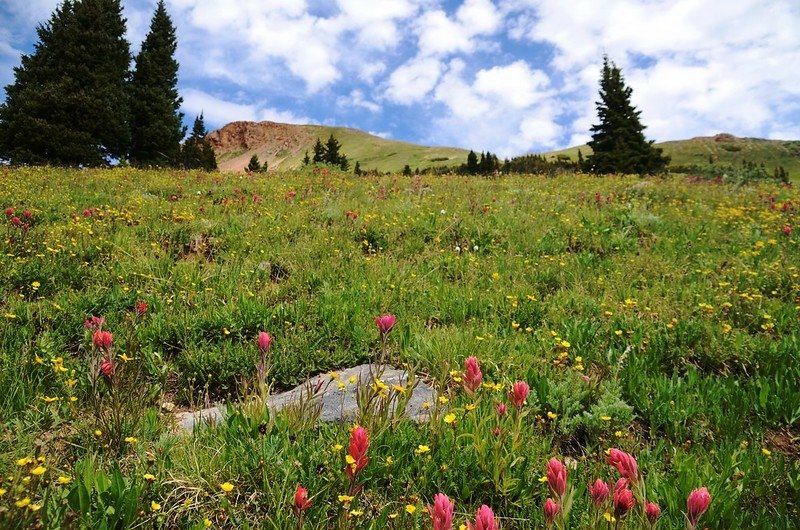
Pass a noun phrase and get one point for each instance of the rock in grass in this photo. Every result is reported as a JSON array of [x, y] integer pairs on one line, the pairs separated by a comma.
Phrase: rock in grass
[[336, 395]]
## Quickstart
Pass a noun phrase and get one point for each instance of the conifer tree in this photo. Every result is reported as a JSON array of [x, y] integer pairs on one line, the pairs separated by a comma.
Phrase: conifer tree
[[197, 152], [618, 143], [472, 163], [357, 168], [332, 154], [254, 165], [319, 152], [69, 102], [156, 121]]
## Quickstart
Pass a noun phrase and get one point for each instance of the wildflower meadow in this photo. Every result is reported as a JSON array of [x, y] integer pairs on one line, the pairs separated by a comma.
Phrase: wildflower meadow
[[607, 352]]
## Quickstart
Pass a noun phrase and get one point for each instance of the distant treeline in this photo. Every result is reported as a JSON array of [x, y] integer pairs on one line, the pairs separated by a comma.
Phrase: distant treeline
[[489, 164]]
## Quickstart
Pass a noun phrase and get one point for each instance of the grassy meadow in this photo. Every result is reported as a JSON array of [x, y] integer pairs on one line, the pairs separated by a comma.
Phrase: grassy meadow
[[659, 317]]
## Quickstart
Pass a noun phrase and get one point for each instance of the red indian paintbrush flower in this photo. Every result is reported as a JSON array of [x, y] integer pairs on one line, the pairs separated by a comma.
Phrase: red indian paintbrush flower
[[623, 501], [472, 375], [385, 323], [501, 409], [441, 512], [697, 504], [625, 464], [301, 500], [518, 393], [107, 367], [102, 340], [652, 511], [94, 323], [598, 492], [484, 520], [264, 341], [140, 308], [9, 211], [551, 509], [557, 477], [357, 452]]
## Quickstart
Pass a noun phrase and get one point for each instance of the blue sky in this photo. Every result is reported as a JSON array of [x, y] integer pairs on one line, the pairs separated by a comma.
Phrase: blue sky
[[510, 76]]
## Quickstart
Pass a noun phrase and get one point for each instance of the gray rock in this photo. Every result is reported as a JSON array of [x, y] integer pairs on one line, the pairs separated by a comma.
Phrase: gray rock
[[335, 396]]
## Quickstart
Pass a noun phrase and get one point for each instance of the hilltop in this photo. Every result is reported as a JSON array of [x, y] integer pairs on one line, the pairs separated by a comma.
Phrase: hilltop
[[283, 146], [721, 148]]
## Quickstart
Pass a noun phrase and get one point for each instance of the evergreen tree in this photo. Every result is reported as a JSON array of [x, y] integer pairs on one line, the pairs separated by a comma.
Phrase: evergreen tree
[[69, 102], [357, 169], [472, 163], [332, 154], [407, 170], [254, 164], [156, 121], [197, 152], [306, 160], [319, 152], [618, 143]]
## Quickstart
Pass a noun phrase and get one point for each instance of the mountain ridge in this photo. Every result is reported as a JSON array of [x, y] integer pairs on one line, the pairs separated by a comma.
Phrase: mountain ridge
[[282, 146]]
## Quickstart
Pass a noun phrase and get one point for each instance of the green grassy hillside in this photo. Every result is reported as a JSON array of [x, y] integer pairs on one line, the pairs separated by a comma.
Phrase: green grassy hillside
[[722, 149], [284, 146]]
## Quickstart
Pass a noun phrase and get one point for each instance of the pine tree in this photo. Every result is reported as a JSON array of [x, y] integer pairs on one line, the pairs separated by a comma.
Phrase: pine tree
[[69, 102], [306, 160], [319, 152], [332, 154], [472, 163], [197, 152], [254, 164], [357, 168], [156, 121], [618, 143]]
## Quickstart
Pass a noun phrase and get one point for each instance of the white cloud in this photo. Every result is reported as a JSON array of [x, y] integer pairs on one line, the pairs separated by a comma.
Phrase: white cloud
[[270, 35], [515, 85], [217, 112], [695, 67], [356, 99], [504, 109], [414, 80], [441, 35]]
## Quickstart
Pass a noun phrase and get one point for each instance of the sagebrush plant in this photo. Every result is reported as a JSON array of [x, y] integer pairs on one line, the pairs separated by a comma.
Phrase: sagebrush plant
[[655, 317]]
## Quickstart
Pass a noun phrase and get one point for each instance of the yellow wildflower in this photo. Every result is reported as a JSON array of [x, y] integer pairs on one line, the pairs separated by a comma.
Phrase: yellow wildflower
[[38, 471], [227, 487], [422, 449], [410, 508], [154, 506]]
